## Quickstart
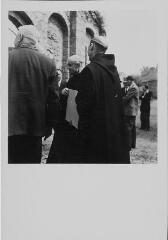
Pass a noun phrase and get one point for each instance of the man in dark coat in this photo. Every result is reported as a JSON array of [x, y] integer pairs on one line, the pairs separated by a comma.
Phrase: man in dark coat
[[145, 108], [99, 105], [64, 148], [33, 97]]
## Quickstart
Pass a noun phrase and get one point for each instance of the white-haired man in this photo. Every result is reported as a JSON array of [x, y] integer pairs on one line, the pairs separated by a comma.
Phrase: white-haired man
[[64, 148], [33, 95], [74, 66], [99, 104]]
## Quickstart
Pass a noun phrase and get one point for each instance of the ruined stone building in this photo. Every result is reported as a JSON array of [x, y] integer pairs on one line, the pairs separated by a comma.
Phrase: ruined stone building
[[62, 33]]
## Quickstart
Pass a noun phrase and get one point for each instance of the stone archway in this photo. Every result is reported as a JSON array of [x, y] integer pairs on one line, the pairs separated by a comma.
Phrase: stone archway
[[19, 18], [58, 42]]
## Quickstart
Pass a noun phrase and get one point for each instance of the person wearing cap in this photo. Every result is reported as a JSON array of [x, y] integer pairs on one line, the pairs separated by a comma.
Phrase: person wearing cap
[[33, 98], [130, 102], [99, 105], [64, 146]]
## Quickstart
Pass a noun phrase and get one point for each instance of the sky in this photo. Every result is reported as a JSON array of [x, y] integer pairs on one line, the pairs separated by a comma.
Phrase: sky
[[133, 38]]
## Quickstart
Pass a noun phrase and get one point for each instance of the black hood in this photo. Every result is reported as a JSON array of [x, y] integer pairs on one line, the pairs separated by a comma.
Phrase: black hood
[[106, 61]]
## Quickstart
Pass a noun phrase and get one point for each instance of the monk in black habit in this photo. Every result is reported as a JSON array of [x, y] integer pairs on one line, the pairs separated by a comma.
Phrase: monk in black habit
[[99, 105]]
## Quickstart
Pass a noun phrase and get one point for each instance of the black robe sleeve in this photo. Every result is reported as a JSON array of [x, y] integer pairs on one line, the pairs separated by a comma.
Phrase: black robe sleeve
[[73, 82], [85, 100]]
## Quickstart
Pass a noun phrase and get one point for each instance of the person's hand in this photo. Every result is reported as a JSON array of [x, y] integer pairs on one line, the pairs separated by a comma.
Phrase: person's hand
[[65, 91], [48, 133]]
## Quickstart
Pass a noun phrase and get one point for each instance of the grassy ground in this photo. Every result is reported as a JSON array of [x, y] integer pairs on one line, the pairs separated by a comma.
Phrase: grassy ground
[[146, 146]]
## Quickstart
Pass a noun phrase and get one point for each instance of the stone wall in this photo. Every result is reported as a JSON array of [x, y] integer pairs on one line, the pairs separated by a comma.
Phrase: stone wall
[[62, 33]]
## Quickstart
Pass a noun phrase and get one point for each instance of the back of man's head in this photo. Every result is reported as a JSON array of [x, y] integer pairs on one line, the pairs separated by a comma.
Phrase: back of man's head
[[28, 32]]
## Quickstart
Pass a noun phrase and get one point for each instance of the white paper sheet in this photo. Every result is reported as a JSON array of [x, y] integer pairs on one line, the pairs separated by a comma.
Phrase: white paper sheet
[[71, 111]]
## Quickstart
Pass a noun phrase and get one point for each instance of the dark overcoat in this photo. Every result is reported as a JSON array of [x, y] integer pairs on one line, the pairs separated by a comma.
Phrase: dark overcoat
[[145, 102], [33, 101]]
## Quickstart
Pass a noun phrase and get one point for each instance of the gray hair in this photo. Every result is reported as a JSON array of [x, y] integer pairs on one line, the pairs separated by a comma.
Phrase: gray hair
[[75, 59], [29, 32]]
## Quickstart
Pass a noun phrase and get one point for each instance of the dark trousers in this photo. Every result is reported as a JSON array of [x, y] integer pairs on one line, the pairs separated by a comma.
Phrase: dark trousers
[[24, 149], [57, 151], [65, 147], [145, 122], [131, 130]]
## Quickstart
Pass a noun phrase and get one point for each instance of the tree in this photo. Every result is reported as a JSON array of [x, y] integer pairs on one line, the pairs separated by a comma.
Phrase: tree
[[138, 80], [145, 70], [98, 18]]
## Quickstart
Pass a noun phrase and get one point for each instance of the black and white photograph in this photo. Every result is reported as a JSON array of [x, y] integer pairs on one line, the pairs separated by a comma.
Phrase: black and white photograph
[[82, 87], [84, 120]]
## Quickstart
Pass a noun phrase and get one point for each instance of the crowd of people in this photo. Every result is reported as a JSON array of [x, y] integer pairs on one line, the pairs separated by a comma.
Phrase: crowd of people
[[102, 128]]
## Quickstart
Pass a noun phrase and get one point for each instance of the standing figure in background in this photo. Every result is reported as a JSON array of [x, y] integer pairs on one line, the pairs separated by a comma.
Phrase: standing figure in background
[[124, 88], [99, 105], [130, 102], [33, 104], [145, 108]]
